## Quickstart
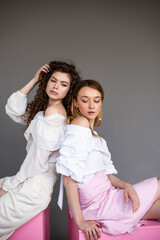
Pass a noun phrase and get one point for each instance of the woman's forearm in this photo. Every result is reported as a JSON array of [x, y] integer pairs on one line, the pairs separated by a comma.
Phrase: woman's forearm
[[129, 191], [73, 199], [116, 182], [28, 87]]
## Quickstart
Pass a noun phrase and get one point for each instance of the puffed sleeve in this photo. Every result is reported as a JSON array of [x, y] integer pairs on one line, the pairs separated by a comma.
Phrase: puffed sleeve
[[16, 107], [46, 132], [110, 168], [44, 135], [73, 152], [36, 162]]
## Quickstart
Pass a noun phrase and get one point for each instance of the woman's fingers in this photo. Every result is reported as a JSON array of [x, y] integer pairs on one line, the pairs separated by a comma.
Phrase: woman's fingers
[[2, 192], [130, 192], [87, 235], [92, 232], [126, 196], [93, 235], [45, 68], [135, 202], [96, 233], [98, 224]]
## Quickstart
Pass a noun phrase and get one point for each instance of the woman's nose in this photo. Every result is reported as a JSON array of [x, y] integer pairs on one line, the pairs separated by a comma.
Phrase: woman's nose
[[56, 85], [91, 105]]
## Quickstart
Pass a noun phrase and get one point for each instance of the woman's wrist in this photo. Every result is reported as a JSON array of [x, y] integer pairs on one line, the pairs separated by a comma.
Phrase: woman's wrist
[[79, 221], [127, 185], [35, 81]]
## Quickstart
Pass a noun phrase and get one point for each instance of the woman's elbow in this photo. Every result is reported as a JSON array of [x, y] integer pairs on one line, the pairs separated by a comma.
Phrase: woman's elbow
[[68, 180]]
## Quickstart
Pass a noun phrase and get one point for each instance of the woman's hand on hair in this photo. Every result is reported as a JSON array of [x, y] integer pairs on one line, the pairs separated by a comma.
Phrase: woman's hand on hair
[[129, 192], [32, 83], [2, 192], [90, 228], [45, 68]]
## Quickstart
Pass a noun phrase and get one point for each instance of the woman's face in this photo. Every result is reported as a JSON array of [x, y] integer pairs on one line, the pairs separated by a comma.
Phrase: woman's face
[[89, 102], [58, 86]]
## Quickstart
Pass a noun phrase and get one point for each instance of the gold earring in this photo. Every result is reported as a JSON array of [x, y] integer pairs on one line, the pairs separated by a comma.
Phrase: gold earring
[[99, 119]]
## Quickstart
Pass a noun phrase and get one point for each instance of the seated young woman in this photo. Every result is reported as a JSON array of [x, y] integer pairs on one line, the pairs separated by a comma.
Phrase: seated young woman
[[96, 197], [29, 192]]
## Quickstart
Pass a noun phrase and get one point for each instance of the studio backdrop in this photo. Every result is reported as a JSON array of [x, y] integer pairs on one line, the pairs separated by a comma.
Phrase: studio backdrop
[[114, 42]]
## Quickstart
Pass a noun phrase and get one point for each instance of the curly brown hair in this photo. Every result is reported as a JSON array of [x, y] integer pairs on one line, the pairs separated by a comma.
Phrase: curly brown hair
[[40, 101]]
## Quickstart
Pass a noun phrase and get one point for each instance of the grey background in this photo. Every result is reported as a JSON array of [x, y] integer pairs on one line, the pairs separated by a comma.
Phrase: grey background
[[114, 42]]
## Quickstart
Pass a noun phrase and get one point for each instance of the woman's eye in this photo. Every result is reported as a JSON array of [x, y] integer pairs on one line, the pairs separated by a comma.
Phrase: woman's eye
[[64, 85], [97, 101], [84, 101], [53, 80]]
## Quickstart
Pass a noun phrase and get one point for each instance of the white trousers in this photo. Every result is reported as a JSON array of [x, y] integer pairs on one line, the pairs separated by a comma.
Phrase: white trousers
[[21, 204]]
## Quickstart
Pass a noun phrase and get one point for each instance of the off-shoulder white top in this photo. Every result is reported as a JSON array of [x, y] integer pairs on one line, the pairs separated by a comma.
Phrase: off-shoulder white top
[[82, 155], [44, 136]]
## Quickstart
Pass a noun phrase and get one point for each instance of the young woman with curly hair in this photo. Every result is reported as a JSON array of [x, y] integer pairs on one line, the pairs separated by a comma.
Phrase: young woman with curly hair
[[27, 193]]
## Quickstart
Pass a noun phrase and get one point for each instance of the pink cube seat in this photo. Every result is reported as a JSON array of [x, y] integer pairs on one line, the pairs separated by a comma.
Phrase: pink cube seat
[[150, 231], [37, 228]]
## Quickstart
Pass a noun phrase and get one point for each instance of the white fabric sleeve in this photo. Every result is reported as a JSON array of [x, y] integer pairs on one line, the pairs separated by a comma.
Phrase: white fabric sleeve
[[46, 132], [110, 169], [73, 152], [16, 107], [35, 163], [44, 135], [106, 156]]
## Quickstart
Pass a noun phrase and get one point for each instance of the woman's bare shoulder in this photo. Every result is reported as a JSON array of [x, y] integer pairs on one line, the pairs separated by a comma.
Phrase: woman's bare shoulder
[[81, 121], [56, 109]]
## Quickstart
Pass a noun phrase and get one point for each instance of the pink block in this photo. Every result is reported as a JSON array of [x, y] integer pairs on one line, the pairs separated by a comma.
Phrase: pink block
[[151, 231], [37, 228]]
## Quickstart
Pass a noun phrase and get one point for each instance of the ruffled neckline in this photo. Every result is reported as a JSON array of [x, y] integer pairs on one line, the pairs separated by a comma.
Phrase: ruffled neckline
[[81, 127], [41, 113]]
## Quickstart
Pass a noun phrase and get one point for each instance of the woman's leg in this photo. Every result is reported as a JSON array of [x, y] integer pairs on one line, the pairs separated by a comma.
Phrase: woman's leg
[[154, 211], [26, 201]]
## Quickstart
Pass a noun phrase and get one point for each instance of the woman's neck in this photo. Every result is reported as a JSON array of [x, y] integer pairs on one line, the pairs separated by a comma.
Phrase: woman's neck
[[54, 102]]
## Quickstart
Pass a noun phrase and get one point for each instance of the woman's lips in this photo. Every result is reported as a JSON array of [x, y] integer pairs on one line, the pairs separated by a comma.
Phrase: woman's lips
[[54, 93], [91, 113]]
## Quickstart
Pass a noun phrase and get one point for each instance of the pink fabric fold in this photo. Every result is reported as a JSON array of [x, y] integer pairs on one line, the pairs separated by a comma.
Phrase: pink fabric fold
[[102, 202]]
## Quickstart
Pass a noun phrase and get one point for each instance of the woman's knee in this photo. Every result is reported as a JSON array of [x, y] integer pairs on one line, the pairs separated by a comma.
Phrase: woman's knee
[[158, 190]]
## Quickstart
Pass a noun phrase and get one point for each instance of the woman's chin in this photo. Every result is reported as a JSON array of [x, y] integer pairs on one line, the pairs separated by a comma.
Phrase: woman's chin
[[92, 118]]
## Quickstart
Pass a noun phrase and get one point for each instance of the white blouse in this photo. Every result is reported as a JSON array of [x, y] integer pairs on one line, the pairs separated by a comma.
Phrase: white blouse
[[82, 155], [44, 136]]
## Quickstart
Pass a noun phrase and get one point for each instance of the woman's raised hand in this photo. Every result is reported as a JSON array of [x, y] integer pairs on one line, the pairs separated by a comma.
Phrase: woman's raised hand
[[2, 192], [129, 192], [32, 83], [45, 68], [90, 228]]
